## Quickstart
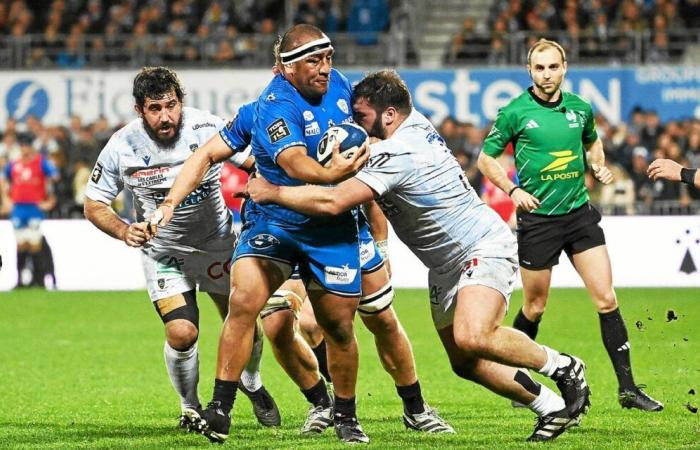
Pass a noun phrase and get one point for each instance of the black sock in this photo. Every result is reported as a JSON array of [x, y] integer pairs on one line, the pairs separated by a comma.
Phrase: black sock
[[344, 407], [318, 395], [524, 324], [321, 357], [614, 332], [21, 264], [412, 398], [225, 394]]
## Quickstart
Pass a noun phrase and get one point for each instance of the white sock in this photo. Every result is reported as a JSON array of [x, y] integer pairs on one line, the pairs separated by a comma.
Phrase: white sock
[[183, 369], [546, 403], [251, 374], [555, 360]]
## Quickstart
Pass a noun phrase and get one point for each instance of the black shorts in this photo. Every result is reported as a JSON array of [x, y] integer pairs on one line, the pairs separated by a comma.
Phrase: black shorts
[[542, 238]]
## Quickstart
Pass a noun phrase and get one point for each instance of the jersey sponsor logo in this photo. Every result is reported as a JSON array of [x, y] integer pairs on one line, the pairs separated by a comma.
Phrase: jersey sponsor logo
[[193, 147], [167, 264], [197, 126], [161, 283], [558, 166], [278, 130], [218, 269], [312, 129], [532, 124], [263, 241], [435, 293], [308, 116], [149, 177], [270, 97], [343, 105], [367, 252], [97, 172], [339, 275]]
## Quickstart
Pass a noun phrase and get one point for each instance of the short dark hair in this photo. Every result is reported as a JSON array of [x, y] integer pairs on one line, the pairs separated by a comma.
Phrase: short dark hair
[[384, 89], [155, 82]]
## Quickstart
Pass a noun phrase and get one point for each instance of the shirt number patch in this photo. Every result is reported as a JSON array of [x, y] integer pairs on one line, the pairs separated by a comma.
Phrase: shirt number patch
[[278, 130], [96, 173]]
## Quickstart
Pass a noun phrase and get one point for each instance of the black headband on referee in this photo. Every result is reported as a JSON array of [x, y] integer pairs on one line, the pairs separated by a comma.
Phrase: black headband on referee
[[310, 48]]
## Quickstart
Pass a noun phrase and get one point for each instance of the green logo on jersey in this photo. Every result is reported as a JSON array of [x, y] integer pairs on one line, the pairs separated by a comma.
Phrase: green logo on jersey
[[564, 157]]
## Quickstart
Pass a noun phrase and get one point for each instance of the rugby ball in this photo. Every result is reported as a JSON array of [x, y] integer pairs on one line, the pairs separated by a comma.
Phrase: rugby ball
[[350, 136]]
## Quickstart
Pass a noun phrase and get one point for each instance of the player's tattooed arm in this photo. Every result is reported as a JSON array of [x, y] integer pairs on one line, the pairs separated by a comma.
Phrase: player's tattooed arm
[[493, 170], [596, 158], [103, 217], [311, 199]]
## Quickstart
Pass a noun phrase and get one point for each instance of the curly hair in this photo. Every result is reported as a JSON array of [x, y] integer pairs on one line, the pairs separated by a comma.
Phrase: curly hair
[[155, 83]]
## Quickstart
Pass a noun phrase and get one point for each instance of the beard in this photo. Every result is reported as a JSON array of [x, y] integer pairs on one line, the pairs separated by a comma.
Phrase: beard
[[162, 142], [377, 130]]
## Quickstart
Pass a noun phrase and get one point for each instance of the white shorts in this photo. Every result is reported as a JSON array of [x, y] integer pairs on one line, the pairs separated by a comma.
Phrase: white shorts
[[169, 272], [30, 234], [496, 273]]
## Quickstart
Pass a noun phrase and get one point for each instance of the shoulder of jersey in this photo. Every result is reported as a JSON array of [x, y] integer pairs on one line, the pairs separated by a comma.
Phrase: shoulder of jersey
[[573, 98]]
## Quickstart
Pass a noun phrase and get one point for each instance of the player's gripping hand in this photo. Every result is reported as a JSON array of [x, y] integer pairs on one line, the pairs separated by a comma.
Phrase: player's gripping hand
[[602, 173], [161, 217], [524, 201], [344, 168], [136, 234], [664, 169], [261, 191]]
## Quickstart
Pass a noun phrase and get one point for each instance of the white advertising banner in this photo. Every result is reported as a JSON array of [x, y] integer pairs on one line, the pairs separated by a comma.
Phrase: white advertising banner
[[645, 252], [55, 96]]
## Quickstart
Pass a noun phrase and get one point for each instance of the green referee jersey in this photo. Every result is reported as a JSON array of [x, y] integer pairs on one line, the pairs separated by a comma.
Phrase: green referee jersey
[[548, 140]]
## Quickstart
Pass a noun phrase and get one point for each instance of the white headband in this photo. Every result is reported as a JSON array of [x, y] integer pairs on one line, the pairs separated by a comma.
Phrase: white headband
[[310, 48]]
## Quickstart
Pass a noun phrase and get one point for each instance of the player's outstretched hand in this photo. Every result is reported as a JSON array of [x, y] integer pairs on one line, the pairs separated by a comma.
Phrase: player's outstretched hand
[[345, 168], [602, 173], [664, 169], [261, 191], [524, 201], [136, 234]]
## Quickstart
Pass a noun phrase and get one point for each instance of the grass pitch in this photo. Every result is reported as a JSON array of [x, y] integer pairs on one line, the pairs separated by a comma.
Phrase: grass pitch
[[85, 370]]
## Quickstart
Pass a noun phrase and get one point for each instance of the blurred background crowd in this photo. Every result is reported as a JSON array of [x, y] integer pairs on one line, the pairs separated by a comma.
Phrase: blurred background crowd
[[50, 34]]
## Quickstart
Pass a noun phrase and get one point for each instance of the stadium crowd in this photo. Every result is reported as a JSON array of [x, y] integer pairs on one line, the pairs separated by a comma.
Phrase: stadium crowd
[[596, 29], [98, 33], [630, 147]]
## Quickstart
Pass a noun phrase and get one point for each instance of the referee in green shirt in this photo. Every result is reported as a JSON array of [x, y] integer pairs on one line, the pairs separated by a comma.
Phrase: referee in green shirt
[[554, 141]]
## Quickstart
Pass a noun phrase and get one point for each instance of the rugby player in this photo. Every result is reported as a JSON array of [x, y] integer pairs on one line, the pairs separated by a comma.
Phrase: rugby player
[[375, 306], [144, 157], [469, 250], [292, 113], [554, 138]]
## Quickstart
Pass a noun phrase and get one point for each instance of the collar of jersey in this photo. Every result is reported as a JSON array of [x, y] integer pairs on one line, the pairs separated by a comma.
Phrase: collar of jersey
[[545, 103]]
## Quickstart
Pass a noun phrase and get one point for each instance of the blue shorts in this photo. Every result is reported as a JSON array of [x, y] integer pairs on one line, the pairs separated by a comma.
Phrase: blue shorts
[[370, 258], [26, 215], [328, 256]]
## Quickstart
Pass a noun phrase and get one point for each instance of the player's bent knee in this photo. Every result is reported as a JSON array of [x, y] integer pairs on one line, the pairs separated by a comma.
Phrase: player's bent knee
[[181, 334], [472, 342], [607, 302], [377, 302], [340, 332]]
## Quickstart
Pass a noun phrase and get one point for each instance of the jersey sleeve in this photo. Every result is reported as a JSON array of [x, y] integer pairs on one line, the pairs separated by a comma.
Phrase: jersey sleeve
[[48, 168], [281, 126], [105, 183], [385, 169], [589, 132], [500, 135], [237, 133]]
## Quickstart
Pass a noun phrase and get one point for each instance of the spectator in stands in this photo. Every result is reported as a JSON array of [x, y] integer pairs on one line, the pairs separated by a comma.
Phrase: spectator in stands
[[367, 18], [497, 53], [643, 187], [659, 52], [651, 130], [318, 13], [498, 200], [618, 197], [73, 55], [26, 187], [9, 148]]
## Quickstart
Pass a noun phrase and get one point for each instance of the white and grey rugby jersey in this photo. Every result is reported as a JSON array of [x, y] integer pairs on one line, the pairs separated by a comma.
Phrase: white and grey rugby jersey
[[133, 161], [428, 200]]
